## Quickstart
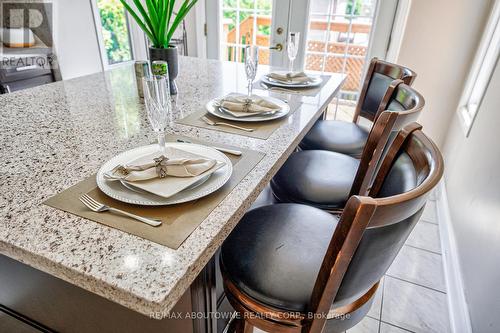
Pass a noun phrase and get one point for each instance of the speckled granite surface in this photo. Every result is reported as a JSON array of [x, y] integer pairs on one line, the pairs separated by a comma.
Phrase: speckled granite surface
[[54, 136]]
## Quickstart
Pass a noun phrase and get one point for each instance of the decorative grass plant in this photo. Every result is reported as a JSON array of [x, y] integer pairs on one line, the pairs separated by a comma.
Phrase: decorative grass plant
[[158, 19]]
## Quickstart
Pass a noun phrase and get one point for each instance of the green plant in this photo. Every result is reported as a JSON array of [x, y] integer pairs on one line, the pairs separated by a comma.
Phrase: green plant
[[158, 20], [353, 7]]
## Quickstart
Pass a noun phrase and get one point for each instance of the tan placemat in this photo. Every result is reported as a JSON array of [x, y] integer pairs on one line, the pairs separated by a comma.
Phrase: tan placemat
[[262, 130], [310, 92], [179, 221]]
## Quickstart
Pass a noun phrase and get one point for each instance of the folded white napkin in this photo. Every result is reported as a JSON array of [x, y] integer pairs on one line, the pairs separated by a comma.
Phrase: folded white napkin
[[161, 167], [240, 105], [164, 175], [290, 77]]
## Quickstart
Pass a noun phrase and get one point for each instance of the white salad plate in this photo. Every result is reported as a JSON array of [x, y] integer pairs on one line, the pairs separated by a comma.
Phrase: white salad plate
[[316, 81], [213, 107], [201, 188]]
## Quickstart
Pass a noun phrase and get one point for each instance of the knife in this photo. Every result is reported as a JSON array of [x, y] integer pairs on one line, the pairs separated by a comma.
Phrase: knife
[[224, 150]]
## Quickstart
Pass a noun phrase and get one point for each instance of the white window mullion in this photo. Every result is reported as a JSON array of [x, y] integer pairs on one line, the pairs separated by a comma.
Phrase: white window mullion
[[254, 35], [327, 35], [237, 38]]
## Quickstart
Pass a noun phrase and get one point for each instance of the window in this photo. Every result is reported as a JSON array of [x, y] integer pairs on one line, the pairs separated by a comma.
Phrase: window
[[113, 32], [481, 71]]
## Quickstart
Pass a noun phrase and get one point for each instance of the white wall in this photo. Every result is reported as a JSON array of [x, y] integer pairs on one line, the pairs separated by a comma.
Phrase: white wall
[[191, 27], [473, 189], [75, 38], [439, 44]]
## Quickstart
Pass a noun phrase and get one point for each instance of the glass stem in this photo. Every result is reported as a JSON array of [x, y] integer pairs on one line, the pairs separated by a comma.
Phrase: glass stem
[[161, 142], [250, 88], [291, 65]]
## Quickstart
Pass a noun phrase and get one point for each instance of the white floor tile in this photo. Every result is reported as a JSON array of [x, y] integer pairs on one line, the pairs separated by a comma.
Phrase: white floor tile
[[414, 308], [425, 236], [430, 214], [386, 328], [418, 266], [367, 325]]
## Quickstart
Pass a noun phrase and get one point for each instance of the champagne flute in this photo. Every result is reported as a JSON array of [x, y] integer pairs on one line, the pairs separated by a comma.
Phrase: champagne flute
[[293, 47], [158, 106], [251, 62]]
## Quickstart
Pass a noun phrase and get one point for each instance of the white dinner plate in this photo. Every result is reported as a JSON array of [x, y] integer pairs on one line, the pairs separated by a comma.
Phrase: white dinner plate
[[316, 81], [117, 191], [214, 109]]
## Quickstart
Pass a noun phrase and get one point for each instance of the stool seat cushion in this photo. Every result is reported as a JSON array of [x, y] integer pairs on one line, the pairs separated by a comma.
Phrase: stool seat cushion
[[338, 136], [319, 178], [275, 252]]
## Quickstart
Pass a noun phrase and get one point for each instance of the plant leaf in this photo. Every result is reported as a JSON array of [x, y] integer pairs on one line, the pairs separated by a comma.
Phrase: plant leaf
[[162, 23], [169, 17], [138, 20], [183, 11], [152, 14], [147, 19]]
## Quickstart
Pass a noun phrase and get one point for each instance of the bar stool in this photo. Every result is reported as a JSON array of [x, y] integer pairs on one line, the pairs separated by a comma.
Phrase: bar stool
[[295, 268], [326, 179], [349, 137]]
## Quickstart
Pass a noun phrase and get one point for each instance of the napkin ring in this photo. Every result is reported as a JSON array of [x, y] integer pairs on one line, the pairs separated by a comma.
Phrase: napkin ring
[[246, 105], [122, 170], [161, 166]]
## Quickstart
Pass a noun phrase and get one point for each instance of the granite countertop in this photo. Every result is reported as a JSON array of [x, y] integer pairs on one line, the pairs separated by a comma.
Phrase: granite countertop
[[54, 136]]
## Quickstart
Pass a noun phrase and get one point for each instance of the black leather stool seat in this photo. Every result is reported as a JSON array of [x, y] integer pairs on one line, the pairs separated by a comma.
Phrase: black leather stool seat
[[275, 252], [338, 136], [318, 178]]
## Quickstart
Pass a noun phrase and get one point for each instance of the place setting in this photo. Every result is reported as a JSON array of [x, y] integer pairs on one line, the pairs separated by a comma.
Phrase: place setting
[[246, 114], [162, 191], [290, 81]]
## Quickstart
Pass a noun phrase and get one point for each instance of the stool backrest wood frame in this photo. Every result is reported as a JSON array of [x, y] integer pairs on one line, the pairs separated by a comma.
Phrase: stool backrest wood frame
[[363, 211], [388, 122], [394, 71]]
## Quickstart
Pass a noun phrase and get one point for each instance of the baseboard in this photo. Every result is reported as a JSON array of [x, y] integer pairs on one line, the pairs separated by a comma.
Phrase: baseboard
[[457, 305]]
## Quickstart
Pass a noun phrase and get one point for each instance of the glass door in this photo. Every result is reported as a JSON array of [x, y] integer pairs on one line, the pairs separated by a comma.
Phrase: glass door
[[342, 36], [232, 24], [337, 36]]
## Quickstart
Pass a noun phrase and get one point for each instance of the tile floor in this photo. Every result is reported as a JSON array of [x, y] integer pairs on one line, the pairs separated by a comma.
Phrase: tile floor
[[412, 296]]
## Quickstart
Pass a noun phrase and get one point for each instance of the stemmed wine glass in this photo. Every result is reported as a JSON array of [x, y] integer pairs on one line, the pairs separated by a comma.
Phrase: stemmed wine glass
[[293, 47], [251, 62], [158, 105]]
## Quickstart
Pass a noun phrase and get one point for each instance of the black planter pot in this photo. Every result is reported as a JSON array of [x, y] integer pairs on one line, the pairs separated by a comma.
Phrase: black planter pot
[[170, 55]]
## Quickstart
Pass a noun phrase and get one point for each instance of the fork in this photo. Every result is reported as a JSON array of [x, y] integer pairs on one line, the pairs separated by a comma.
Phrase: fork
[[99, 208], [213, 123]]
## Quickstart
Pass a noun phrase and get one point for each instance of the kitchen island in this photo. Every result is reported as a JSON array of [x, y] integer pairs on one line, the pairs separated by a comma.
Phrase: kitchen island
[[56, 135]]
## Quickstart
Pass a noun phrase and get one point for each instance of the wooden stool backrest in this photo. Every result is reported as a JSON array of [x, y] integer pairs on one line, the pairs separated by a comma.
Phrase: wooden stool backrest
[[363, 216], [401, 107], [379, 76]]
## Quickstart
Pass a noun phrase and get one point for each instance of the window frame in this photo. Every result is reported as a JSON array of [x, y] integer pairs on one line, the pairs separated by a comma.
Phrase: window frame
[[100, 40], [481, 71]]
